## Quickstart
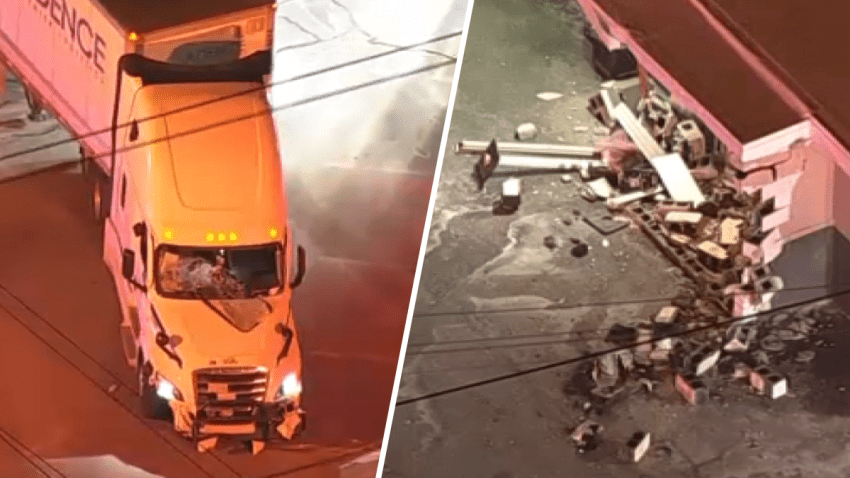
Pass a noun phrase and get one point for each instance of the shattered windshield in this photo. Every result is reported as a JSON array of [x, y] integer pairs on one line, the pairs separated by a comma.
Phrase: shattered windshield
[[218, 273]]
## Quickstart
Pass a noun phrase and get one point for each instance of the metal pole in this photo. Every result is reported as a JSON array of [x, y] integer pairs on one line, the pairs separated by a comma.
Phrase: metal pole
[[479, 147]]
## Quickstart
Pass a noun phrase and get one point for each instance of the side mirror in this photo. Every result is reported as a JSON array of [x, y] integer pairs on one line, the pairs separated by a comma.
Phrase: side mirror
[[128, 264], [301, 261], [139, 229]]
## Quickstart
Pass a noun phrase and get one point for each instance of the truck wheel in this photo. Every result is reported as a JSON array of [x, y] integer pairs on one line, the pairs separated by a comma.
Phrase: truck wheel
[[153, 406]]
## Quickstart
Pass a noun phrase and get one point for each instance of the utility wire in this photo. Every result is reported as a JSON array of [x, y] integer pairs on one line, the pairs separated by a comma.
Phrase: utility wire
[[434, 371], [556, 307], [549, 366], [234, 95], [293, 104], [17, 445]]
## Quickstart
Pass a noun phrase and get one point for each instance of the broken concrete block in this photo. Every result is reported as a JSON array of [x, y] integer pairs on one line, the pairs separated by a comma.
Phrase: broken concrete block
[[601, 188], [667, 315], [525, 131], [704, 360], [752, 251], [776, 219], [606, 371], [636, 447], [768, 382], [511, 187], [730, 231], [626, 360], [739, 338], [685, 222], [772, 246], [691, 388], [769, 285], [680, 239], [713, 256], [659, 354], [741, 371], [587, 435], [781, 191], [510, 201], [597, 108], [693, 138], [642, 351]]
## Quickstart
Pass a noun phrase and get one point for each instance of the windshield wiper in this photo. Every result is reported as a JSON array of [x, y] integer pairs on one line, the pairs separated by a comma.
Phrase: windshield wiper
[[197, 294]]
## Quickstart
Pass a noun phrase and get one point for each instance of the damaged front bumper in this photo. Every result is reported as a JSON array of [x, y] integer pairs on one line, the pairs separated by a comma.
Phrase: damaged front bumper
[[264, 422]]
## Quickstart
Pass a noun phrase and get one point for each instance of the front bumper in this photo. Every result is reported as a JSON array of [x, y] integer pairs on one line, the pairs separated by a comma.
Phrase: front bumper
[[267, 421]]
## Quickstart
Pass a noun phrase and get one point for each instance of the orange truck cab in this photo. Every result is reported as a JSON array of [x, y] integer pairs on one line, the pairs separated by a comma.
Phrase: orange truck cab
[[193, 187], [168, 102]]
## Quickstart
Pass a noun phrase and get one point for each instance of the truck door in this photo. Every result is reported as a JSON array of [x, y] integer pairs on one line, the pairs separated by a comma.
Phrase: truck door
[[122, 213]]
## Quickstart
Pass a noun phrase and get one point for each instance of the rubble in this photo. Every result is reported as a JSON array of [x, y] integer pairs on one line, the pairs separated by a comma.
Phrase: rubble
[[636, 447], [660, 170], [526, 131], [549, 96], [587, 435]]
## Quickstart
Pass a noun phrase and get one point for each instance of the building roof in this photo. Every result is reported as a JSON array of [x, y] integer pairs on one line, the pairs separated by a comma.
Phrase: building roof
[[679, 38], [805, 43], [151, 15]]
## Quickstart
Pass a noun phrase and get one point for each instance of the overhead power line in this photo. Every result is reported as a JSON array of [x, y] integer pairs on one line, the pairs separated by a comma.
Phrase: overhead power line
[[556, 307]]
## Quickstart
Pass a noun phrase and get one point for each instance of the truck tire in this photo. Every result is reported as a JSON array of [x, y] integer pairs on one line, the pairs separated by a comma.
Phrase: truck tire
[[153, 406]]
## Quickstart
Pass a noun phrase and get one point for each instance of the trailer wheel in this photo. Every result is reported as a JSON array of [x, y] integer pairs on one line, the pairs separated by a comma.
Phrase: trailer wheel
[[153, 406]]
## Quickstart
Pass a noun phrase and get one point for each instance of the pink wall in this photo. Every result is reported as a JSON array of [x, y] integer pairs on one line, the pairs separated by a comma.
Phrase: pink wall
[[811, 197]]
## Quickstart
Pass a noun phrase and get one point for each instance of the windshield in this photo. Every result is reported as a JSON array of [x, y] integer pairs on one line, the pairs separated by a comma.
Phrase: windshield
[[218, 273]]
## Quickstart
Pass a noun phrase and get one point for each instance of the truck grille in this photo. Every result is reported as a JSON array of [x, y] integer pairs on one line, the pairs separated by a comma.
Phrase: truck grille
[[229, 394]]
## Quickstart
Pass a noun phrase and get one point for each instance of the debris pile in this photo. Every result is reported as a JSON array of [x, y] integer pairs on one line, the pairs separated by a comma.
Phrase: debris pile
[[661, 170], [664, 171]]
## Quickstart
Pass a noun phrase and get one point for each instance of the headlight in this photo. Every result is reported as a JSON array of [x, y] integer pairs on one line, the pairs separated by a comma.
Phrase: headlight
[[167, 390], [291, 387]]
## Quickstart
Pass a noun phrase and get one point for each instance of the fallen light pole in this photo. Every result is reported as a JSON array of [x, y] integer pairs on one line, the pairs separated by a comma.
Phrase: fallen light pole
[[480, 147], [491, 158]]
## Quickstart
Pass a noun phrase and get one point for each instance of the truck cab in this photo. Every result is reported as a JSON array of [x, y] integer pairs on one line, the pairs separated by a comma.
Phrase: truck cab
[[197, 241]]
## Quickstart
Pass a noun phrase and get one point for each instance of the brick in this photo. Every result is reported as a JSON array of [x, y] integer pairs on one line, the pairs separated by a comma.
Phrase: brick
[[781, 191], [739, 339], [730, 231], [772, 246], [690, 132], [767, 381], [752, 251], [692, 389], [636, 447], [757, 179], [776, 219], [703, 360], [667, 315]]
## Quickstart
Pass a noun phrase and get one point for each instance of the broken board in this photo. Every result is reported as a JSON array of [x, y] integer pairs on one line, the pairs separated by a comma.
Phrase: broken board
[[677, 178]]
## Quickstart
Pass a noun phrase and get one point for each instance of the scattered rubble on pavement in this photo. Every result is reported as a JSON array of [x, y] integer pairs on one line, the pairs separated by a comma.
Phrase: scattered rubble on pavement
[[661, 171]]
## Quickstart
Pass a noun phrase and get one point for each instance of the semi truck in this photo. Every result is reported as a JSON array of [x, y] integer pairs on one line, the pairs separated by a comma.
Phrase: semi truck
[[168, 101]]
